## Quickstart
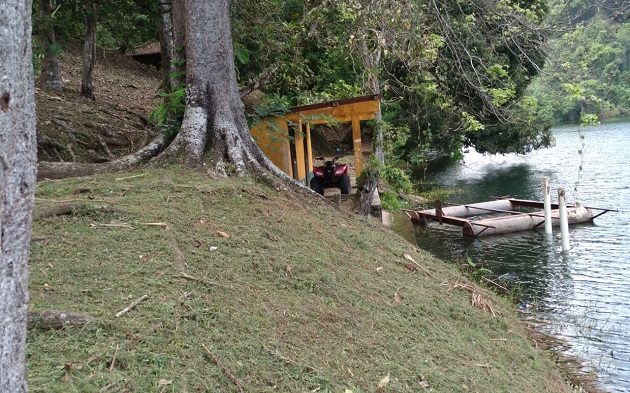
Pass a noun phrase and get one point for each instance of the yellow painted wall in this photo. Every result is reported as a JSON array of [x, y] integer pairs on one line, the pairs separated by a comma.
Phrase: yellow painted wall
[[271, 136]]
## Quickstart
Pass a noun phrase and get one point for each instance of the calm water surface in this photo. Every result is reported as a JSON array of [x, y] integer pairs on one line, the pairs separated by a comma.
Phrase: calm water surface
[[584, 293]]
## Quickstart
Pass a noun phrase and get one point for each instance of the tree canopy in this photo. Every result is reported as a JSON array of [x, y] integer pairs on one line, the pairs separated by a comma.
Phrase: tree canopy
[[453, 74]]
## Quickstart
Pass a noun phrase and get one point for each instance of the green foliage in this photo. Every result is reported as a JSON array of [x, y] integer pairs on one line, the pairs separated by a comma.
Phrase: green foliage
[[476, 269], [38, 55], [241, 53], [122, 24], [270, 105], [594, 74], [396, 178], [390, 201], [169, 113]]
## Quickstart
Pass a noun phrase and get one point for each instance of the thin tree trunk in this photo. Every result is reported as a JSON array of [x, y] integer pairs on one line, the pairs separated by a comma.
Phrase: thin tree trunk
[[165, 30], [366, 188], [369, 178], [178, 66], [89, 51], [371, 65], [18, 148], [50, 77], [172, 59]]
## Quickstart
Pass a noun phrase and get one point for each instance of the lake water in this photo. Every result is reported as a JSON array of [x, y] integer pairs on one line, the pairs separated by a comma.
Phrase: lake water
[[583, 293]]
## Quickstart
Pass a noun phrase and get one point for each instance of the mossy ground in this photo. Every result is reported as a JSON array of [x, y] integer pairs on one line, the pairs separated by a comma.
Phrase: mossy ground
[[290, 295]]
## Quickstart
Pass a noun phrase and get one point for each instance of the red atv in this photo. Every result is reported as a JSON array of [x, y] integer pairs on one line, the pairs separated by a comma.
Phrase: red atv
[[331, 175]]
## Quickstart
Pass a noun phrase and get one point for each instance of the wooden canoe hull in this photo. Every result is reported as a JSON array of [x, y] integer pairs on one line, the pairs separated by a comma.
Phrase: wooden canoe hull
[[522, 222], [471, 216]]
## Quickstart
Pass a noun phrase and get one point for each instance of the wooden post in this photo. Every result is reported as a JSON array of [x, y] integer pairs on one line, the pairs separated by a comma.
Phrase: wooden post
[[309, 149], [547, 205], [358, 147], [564, 221]]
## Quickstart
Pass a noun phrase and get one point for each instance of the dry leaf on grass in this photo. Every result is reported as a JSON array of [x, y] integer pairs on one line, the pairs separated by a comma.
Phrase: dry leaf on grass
[[379, 269], [478, 299], [223, 234], [397, 296], [383, 382], [165, 381]]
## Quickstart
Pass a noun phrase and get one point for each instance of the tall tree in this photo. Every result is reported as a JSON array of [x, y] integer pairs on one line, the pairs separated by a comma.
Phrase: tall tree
[[51, 72], [89, 50], [214, 130], [170, 14], [17, 187]]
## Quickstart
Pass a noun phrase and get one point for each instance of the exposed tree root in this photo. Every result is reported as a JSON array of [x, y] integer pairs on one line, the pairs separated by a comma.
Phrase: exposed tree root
[[60, 170]]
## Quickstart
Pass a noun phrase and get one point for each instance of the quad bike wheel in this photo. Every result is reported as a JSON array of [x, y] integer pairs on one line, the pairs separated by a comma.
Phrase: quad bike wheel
[[344, 184], [316, 185]]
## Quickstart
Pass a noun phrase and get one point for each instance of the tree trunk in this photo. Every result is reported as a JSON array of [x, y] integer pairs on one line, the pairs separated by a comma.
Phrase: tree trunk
[[18, 148], [368, 181], [50, 77], [171, 44], [214, 132], [371, 65], [89, 51]]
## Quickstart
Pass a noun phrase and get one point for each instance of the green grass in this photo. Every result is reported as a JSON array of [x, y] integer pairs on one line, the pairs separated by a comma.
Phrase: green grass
[[298, 298]]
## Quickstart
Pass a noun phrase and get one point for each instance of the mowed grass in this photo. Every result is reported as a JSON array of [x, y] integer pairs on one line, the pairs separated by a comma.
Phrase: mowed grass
[[281, 294]]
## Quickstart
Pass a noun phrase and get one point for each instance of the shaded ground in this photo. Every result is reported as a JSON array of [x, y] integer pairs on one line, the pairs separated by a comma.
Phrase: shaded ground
[[73, 128]]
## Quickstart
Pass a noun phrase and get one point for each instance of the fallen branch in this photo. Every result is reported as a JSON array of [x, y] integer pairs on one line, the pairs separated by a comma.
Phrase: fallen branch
[[132, 305], [54, 320], [193, 278], [131, 177], [155, 224], [409, 258], [179, 255], [477, 298], [113, 362], [495, 283], [112, 225], [224, 369]]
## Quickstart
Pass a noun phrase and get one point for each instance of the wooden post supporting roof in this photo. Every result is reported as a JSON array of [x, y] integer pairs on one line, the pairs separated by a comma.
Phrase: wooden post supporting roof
[[357, 145]]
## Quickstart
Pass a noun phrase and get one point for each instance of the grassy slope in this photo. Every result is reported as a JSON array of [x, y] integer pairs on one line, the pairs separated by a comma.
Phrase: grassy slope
[[294, 300]]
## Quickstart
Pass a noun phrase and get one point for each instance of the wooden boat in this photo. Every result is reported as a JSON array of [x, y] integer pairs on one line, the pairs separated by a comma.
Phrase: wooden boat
[[500, 216]]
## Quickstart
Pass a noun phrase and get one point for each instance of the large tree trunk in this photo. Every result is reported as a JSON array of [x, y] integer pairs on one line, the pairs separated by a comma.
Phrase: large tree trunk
[[18, 147], [51, 72], [89, 51], [214, 131]]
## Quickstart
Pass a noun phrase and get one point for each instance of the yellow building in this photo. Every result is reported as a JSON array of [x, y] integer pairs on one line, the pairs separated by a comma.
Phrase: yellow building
[[286, 140]]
